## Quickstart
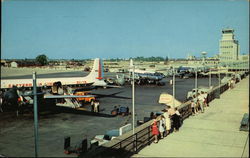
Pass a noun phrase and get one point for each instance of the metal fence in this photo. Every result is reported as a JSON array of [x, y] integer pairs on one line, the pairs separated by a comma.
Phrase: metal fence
[[129, 143], [125, 145]]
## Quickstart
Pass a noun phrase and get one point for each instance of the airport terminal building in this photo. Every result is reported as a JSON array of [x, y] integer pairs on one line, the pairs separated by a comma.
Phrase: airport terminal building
[[229, 47]]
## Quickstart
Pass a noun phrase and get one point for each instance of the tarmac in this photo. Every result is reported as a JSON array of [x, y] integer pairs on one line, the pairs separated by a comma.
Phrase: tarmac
[[214, 133], [17, 133]]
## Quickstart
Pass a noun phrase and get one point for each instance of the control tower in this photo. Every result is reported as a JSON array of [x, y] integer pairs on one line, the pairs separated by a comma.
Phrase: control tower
[[229, 47]]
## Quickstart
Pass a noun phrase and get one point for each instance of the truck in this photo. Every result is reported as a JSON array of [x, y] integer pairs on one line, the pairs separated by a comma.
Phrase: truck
[[85, 99]]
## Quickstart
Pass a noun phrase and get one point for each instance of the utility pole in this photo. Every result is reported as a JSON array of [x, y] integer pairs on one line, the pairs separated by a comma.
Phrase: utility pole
[[133, 99], [219, 78], [209, 84], [173, 86], [35, 114], [196, 90]]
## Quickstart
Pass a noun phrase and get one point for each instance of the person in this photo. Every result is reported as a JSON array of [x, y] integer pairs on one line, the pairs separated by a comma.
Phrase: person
[[205, 99], [1, 102], [234, 81], [155, 130], [96, 106], [162, 125], [117, 109], [196, 104], [171, 82], [201, 101], [1, 97], [229, 84], [238, 77], [176, 120], [127, 110], [167, 123], [193, 107], [92, 106], [232, 84], [152, 115], [114, 111]]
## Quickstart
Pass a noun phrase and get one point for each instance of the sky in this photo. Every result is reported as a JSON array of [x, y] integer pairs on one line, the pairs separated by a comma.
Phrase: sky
[[83, 29]]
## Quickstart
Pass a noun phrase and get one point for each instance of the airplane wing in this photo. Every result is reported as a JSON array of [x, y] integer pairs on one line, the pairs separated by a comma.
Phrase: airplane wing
[[113, 95], [66, 96], [112, 86]]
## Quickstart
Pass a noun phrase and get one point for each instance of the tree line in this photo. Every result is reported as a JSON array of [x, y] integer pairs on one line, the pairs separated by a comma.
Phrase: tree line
[[42, 59]]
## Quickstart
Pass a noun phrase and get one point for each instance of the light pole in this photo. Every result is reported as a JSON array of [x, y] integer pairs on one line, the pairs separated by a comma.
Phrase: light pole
[[173, 86], [219, 80], [227, 68], [133, 99], [35, 114], [132, 66], [203, 57], [203, 63], [209, 84], [196, 90]]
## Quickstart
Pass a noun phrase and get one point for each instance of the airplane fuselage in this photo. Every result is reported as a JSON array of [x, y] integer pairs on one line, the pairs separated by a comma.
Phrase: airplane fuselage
[[95, 77], [9, 83]]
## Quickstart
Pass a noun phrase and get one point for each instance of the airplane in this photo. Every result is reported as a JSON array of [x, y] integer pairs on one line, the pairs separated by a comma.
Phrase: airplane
[[17, 92], [189, 71], [94, 78], [145, 77], [119, 80]]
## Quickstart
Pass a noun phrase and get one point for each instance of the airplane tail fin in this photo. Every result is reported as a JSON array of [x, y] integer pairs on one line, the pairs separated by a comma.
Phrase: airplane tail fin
[[97, 70]]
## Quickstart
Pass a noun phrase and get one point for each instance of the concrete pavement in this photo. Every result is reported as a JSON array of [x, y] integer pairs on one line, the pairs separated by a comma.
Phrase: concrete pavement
[[214, 133]]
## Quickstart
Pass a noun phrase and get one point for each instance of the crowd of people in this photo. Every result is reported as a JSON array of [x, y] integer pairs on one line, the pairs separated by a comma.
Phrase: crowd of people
[[162, 125], [170, 120], [199, 102]]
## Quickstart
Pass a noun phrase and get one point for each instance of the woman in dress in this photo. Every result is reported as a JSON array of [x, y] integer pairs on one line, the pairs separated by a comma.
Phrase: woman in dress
[[176, 120], [162, 125], [155, 130], [167, 122]]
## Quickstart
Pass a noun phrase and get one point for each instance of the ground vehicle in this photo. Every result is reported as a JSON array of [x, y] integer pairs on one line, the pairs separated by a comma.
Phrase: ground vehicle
[[85, 99], [124, 111], [101, 139], [111, 134]]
